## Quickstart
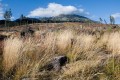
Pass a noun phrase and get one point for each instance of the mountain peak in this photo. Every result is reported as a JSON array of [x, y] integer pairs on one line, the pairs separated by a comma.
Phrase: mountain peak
[[71, 18]]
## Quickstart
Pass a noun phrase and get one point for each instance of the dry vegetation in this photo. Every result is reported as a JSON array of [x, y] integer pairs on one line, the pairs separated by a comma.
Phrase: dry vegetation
[[94, 54]]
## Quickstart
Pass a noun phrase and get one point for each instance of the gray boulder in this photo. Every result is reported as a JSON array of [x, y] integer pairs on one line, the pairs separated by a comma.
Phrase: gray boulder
[[56, 63]]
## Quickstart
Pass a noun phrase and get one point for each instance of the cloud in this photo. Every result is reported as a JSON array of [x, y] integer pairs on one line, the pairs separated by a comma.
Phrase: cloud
[[12, 18], [1, 10], [54, 9], [116, 15]]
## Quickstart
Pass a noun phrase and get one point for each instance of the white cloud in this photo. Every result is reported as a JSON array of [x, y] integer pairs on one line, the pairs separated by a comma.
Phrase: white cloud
[[1, 10], [116, 15], [12, 18], [81, 10], [54, 9]]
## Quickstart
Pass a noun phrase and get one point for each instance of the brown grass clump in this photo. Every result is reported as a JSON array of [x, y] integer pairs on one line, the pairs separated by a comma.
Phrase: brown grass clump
[[113, 44], [20, 58], [65, 40], [11, 53], [83, 44]]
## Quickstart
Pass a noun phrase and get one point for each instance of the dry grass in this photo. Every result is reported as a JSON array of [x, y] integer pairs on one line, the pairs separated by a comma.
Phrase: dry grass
[[88, 55], [11, 52], [113, 44], [22, 56], [64, 40]]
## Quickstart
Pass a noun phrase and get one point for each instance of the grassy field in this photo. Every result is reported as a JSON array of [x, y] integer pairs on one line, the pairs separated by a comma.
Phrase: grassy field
[[93, 51]]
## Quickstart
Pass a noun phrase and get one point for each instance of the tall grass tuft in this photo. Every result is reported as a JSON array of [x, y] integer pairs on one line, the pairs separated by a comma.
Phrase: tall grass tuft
[[11, 53]]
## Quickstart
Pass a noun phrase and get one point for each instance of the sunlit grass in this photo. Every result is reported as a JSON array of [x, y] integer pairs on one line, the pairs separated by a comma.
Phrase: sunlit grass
[[89, 55]]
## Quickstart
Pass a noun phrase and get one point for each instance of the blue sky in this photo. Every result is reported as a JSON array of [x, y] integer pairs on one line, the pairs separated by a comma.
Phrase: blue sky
[[93, 9]]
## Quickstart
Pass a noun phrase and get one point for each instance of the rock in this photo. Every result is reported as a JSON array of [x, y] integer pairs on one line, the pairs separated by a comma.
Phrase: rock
[[22, 33], [56, 63], [2, 37], [27, 31]]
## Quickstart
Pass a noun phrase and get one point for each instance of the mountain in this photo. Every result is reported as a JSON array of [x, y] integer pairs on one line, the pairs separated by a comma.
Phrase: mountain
[[60, 18], [67, 18]]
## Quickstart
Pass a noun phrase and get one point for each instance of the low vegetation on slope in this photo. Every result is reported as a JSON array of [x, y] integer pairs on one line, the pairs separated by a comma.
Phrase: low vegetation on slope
[[93, 55]]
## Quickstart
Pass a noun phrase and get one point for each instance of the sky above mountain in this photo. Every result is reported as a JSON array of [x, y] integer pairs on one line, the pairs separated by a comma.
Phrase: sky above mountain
[[93, 9]]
